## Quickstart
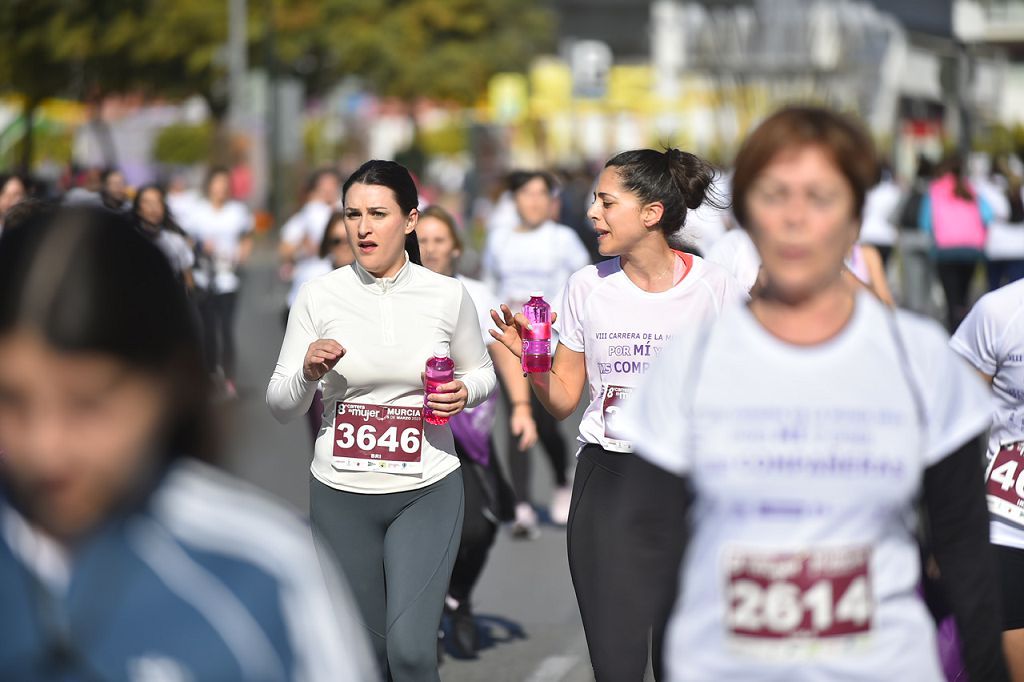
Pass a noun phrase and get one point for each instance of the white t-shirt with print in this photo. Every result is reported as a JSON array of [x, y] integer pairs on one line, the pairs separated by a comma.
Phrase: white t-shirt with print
[[518, 262], [222, 231], [737, 254], [991, 338], [812, 456], [622, 329]]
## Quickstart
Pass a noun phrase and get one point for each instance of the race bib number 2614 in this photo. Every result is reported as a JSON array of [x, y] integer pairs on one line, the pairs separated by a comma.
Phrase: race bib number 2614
[[797, 604]]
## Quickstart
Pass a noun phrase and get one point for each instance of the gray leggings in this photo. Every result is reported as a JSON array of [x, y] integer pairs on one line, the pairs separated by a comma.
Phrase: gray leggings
[[396, 551]]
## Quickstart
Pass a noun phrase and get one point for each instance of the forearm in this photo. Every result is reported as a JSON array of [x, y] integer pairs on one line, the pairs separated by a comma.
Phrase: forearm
[[289, 394], [556, 397], [510, 371], [958, 521], [479, 383]]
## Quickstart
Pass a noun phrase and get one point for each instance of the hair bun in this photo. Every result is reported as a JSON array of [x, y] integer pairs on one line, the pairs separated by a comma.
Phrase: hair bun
[[692, 175]]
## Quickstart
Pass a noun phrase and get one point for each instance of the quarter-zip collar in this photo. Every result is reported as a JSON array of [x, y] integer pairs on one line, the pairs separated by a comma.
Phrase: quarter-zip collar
[[384, 285]]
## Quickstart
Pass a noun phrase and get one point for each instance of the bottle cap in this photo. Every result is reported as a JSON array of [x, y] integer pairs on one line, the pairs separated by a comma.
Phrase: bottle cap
[[441, 350], [537, 294]]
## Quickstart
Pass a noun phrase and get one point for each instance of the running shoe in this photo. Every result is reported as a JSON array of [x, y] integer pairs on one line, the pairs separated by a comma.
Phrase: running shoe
[[525, 525], [560, 505]]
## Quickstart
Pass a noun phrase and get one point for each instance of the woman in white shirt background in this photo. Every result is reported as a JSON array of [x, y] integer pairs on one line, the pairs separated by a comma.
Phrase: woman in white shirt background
[[536, 255], [222, 227], [489, 498], [809, 426], [613, 321], [386, 493]]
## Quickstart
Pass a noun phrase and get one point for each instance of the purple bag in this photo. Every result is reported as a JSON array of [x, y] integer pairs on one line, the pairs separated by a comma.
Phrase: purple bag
[[949, 651]]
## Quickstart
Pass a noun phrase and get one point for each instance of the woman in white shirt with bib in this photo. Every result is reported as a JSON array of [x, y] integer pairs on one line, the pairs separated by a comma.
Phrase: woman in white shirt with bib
[[808, 424], [613, 321], [386, 494], [991, 338]]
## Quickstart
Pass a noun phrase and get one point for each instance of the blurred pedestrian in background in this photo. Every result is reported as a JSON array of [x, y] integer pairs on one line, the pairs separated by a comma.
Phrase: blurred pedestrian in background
[[121, 557], [956, 217], [155, 221], [222, 227], [114, 189], [537, 254], [489, 498]]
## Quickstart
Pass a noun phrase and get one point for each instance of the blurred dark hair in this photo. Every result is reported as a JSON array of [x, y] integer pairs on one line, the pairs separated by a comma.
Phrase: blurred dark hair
[[677, 179], [397, 178], [211, 174], [518, 179], [793, 128], [325, 243], [169, 222], [394, 176], [954, 165], [87, 282], [439, 213], [319, 174], [107, 172]]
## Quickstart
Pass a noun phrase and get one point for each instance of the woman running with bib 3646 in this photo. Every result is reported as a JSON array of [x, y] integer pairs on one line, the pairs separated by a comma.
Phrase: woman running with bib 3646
[[809, 425], [386, 495], [613, 321]]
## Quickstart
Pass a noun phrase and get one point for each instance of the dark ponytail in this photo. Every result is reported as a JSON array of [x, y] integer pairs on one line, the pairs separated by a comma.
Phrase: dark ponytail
[[680, 181]]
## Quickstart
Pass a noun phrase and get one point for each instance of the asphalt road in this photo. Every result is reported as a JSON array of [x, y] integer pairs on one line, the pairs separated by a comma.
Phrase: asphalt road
[[526, 609]]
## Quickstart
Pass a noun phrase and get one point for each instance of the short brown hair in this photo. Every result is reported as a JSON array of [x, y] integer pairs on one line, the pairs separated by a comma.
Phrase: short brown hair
[[445, 217], [844, 139]]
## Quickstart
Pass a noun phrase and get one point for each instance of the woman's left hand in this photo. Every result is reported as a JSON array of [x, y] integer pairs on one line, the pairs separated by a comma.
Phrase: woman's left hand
[[449, 400]]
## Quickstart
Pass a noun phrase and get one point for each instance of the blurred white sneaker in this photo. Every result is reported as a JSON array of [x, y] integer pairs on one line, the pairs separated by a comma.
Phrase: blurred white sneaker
[[560, 505], [525, 526]]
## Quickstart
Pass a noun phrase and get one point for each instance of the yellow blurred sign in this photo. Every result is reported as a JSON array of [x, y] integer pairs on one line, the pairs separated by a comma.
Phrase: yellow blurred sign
[[550, 88], [630, 88], [508, 97]]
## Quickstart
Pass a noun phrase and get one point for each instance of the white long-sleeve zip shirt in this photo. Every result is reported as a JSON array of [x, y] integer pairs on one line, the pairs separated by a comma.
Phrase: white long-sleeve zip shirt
[[389, 328]]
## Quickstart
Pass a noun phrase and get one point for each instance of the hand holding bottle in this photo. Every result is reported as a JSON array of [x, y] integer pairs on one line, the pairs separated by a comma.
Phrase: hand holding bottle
[[510, 329]]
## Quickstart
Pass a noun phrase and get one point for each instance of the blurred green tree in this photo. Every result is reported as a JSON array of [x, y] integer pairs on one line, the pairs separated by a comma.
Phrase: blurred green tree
[[440, 49]]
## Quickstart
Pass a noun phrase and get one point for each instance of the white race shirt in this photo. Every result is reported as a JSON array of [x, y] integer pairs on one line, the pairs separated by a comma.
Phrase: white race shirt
[[737, 254], [485, 301], [621, 329], [389, 328], [991, 338], [309, 223], [177, 250], [806, 463], [222, 231], [517, 262], [880, 205]]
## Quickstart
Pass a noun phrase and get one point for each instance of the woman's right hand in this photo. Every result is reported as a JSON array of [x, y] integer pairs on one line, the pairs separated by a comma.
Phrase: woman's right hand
[[321, 357], [510, 329]]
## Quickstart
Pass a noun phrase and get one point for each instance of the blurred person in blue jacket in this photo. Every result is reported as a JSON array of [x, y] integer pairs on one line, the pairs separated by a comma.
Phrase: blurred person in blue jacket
[[122, 557]]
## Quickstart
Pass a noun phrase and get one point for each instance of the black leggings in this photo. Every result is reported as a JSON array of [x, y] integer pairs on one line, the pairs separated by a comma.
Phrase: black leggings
[[554, 445], [218, 313], [625, 570], [488, 502], [955, 276]]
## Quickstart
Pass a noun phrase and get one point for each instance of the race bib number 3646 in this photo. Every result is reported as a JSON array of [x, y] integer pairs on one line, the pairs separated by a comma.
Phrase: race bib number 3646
[[385, 438], [798, 604]]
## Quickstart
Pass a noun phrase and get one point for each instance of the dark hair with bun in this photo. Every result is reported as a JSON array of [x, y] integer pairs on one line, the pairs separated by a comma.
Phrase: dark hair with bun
[[680, 181]]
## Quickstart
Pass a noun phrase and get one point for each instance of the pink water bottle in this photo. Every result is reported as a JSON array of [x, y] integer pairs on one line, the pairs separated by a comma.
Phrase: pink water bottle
[[440, 370], [537, 338]]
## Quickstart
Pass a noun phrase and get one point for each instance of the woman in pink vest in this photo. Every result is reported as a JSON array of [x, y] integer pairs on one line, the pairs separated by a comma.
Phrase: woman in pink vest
[[956, 217]]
